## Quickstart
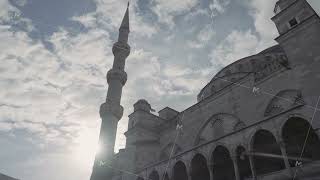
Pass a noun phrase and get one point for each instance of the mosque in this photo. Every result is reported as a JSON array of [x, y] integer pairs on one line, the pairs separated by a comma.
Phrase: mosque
[[257, 119]]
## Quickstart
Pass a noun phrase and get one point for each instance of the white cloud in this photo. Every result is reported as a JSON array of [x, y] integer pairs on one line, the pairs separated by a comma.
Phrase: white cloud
[[5, 127], [175, 70], [5, 9], [218, 7], [20, 2], [202, 38], [167, 10], [11, 15], [262, 12], [47, 92], [195, 13], [237, 45], [240, 44], [109, 14]]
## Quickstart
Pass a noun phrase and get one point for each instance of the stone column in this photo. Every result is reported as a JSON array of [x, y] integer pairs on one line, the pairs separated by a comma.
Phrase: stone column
[[284, 155], [189, 176], [236, 168], [254, 176], [211, 170]]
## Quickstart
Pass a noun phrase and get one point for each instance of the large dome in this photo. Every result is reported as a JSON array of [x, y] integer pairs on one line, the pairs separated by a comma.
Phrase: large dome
[[260, 65]]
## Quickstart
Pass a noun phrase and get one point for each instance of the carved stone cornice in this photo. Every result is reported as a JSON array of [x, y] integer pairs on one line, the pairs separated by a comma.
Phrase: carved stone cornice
[[108, 108], [117, 74]]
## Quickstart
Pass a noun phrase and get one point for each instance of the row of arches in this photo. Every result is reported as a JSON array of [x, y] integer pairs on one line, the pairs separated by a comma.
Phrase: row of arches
[[221, 124], [300, 143]]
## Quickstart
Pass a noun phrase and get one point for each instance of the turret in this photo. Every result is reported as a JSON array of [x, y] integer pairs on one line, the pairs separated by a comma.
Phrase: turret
[[142, 135], [299, 29]]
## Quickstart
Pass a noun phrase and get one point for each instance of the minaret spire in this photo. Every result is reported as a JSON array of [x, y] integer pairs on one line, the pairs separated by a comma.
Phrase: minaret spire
[[125, 20], [125, 27], [111, 111]]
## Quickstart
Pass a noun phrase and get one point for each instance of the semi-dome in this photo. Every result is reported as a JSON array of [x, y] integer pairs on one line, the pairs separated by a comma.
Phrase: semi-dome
[[260, 65]]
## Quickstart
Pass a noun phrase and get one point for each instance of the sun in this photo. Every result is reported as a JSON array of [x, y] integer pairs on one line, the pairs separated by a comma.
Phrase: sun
[[87, 147]]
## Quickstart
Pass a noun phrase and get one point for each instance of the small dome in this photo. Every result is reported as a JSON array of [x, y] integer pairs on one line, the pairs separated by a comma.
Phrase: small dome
[[143, 105]]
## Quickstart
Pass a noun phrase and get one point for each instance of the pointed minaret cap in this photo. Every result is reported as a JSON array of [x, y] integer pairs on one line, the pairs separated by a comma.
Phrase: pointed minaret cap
[[125, 20]]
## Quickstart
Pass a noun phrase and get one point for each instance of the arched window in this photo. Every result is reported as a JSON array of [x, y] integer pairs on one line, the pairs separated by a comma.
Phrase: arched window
[[180, 171], [222, 164], [283, 101], [218, 128], [266, 153], [199, 168], [294, 133]]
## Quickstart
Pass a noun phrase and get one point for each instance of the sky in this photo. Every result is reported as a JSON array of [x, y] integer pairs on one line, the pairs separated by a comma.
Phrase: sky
[[54, 56]]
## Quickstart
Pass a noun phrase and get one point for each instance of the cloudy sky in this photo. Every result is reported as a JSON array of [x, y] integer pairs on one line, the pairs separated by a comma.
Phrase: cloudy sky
[[54, 56]]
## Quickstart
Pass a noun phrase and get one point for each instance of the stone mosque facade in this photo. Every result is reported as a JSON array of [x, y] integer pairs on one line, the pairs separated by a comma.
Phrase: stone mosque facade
[[255, 120]]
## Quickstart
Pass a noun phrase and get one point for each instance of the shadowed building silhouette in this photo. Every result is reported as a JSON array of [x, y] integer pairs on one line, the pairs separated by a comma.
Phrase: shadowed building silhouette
[[256, 118]]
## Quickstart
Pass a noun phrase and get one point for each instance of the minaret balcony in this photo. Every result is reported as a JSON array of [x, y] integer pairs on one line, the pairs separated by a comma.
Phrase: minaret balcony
[[117, 74], [109, 108], [120, 49]]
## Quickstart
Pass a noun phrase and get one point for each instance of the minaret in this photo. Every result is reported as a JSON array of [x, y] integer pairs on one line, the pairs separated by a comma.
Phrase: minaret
[[111, 111]]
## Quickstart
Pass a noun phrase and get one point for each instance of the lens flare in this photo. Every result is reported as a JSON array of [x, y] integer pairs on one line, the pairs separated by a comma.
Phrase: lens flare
[[86, 147]]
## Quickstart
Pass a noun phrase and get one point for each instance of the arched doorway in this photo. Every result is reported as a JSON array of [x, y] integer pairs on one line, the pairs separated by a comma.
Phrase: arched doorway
[[154, 176], [222, 164], [180, 171], [199, 168], [294, 134], [243, 163], [267, 155]]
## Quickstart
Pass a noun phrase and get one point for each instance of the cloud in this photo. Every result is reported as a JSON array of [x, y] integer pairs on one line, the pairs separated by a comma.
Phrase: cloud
[[5, 9], [167, 10], [237, 45], [242, 43], [262, 11], [11, 16], [203, 37], [218, 7], [195, 13], [108, 16]]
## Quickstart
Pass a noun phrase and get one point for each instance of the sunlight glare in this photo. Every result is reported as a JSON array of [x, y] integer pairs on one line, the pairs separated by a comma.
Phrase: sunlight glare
[[86, 147]]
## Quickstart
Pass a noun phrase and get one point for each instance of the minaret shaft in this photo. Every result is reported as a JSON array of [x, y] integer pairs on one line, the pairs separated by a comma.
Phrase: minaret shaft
[[111, 111]]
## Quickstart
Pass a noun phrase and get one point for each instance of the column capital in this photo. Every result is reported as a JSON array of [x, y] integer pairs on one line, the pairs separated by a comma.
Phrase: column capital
[[210, 165], [109, 108], [234, 158]]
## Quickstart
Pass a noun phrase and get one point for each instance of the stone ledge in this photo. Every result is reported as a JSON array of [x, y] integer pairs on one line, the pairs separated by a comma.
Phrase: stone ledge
[[108, 108], [118, 75]]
